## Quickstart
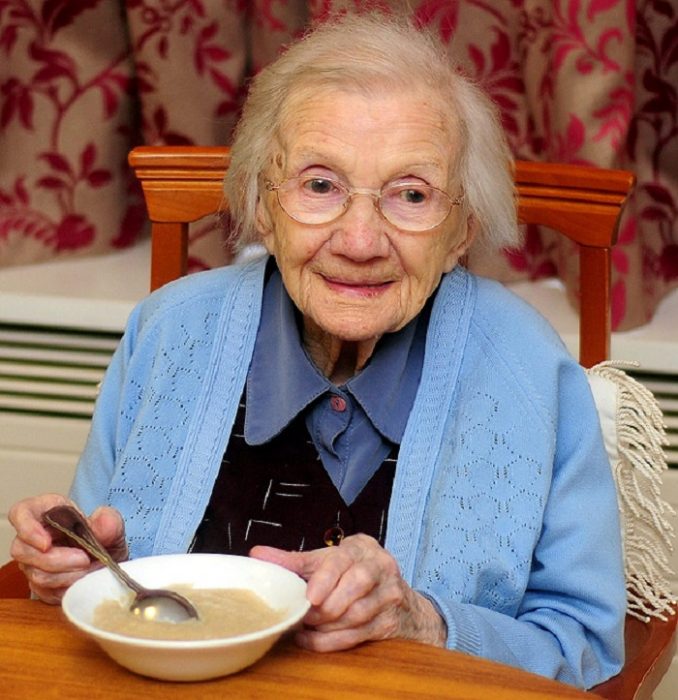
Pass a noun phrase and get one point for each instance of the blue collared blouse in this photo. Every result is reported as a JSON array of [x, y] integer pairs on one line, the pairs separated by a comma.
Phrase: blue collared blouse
[[353, 426]]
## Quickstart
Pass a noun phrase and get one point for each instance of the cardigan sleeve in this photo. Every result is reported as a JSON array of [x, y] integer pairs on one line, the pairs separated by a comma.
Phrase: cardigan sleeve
[[113, 408], [569, 623]]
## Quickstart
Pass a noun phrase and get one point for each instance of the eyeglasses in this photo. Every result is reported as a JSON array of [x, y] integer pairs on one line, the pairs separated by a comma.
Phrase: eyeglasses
[[410, 206]]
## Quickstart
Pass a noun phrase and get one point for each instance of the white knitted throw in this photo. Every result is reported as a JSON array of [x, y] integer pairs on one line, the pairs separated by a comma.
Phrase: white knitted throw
[[634, 432]]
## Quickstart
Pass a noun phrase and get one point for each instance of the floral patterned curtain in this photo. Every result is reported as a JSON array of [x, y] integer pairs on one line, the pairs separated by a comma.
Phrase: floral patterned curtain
[[83, 81]]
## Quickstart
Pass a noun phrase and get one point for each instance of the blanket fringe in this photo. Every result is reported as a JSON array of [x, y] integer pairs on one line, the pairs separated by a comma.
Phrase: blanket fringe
[[648, 533]]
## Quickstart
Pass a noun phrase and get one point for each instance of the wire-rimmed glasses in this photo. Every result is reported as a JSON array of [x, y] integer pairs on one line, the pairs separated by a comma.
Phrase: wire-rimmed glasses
[[409, 206]]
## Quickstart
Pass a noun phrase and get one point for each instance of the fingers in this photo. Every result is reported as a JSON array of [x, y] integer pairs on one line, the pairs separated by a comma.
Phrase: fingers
[[358, 570], [412, 617], [323, 641], [363, 622], [49, 567], [50, 587], [372, 616], [26, 518], [358, 598], [356, 592], [325, 569], [50, 573]]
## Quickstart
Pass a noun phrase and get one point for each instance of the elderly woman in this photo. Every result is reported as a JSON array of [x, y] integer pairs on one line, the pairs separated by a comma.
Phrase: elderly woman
[[358, 387]]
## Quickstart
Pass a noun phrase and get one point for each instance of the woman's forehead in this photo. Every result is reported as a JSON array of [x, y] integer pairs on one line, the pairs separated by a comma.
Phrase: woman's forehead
[[335, 126], [402, 99]]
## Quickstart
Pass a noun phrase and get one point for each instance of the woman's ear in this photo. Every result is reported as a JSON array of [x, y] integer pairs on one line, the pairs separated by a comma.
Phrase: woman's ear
[[264, 225], [457, 253]]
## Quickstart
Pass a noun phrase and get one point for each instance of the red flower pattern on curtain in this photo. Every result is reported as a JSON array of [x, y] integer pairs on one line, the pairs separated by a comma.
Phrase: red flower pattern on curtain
[[82, 81]]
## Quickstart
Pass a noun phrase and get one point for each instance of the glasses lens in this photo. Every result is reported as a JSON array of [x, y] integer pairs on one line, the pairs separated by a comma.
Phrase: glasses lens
[[312, 200], [414, 207], [320, 200]]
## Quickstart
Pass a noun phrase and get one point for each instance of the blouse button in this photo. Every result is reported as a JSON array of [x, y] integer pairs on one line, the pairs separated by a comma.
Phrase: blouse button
[[338, 403]]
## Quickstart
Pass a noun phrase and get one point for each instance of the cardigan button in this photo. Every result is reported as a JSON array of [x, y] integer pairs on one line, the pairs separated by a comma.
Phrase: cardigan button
[[333, 536]]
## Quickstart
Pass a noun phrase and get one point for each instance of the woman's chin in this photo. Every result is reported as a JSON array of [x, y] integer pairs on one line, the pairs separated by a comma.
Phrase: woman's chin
[[356, 330]]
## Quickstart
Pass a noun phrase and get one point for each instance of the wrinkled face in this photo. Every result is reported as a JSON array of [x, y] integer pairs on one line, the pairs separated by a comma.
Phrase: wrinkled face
[[359, 276]]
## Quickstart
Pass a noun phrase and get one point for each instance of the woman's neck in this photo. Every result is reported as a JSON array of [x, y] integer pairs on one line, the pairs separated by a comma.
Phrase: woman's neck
[[337, 359]]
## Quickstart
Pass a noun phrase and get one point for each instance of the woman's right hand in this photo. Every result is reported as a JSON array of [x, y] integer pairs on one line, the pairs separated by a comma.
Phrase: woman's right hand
[[50, 565]]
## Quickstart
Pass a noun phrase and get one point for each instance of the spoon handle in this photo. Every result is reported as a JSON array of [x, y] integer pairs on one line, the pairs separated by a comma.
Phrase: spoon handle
[[86, 539]]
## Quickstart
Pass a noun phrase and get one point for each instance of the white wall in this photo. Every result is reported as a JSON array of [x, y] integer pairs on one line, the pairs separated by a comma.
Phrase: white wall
[[38, 455]]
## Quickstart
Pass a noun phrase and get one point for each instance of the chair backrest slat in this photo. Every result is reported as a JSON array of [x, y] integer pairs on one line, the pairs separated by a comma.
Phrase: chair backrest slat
[[584, 204]]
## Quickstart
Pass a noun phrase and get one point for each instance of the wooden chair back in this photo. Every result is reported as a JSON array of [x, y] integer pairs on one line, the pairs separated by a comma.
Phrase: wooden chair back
[[184, 184]]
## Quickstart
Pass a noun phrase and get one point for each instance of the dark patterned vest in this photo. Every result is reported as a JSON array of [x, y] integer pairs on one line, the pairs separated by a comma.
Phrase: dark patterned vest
[[279, 494]]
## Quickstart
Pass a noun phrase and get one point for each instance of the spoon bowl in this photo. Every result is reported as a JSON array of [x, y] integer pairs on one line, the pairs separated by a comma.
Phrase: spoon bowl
[[151, 604]]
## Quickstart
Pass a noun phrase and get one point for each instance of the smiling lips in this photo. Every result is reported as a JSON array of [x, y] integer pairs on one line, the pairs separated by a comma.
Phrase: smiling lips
[[364, 289]]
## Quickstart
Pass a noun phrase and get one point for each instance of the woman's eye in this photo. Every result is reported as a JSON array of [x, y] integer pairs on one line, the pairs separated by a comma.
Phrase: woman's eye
[[411, 195], [318, 185]]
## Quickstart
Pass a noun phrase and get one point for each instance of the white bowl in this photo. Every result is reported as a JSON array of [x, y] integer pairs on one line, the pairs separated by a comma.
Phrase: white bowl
[[189, 660]]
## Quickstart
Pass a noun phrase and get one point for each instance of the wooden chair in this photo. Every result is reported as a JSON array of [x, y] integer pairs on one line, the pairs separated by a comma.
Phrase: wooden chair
[[184, 184], [13, 583]]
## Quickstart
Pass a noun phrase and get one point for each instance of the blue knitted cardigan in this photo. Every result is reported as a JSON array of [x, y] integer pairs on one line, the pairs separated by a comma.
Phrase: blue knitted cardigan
[[503, 508]]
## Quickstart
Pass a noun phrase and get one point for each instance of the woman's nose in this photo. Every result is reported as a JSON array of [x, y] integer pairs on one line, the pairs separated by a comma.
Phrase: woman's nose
[[360, 232]]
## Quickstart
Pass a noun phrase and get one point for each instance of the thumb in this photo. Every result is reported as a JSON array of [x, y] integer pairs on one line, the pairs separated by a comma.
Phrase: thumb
[[109, 527]]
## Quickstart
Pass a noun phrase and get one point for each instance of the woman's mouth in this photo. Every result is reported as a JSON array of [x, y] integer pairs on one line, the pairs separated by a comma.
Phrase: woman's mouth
[[362, 288]]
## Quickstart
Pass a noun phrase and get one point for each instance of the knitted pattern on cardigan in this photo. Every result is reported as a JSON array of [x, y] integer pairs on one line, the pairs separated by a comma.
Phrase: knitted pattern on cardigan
[[503, 508]]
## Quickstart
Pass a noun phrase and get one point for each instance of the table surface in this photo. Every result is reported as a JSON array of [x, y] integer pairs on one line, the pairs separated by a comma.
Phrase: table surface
[[43, 656]]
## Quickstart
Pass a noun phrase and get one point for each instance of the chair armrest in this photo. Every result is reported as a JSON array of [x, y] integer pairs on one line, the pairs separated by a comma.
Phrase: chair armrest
[[650, 647]]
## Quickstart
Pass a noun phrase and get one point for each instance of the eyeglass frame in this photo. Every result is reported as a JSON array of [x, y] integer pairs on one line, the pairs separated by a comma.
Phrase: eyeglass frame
[[376, 196]]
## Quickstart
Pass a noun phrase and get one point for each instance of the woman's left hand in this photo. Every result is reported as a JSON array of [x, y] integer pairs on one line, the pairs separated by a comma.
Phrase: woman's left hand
[[357, 594]]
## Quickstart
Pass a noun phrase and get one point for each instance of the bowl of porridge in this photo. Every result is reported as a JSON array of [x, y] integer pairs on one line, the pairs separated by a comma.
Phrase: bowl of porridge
[[244, 607]]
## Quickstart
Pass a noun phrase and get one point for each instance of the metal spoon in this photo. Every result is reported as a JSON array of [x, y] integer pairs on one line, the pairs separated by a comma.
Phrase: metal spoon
[[154, 605]]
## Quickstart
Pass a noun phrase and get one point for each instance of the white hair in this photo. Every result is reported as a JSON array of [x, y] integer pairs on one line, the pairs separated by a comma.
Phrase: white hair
[[367, 53]]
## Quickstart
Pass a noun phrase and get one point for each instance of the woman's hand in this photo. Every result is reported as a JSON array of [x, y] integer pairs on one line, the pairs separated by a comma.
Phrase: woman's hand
[[50, 565], [357, 594]]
